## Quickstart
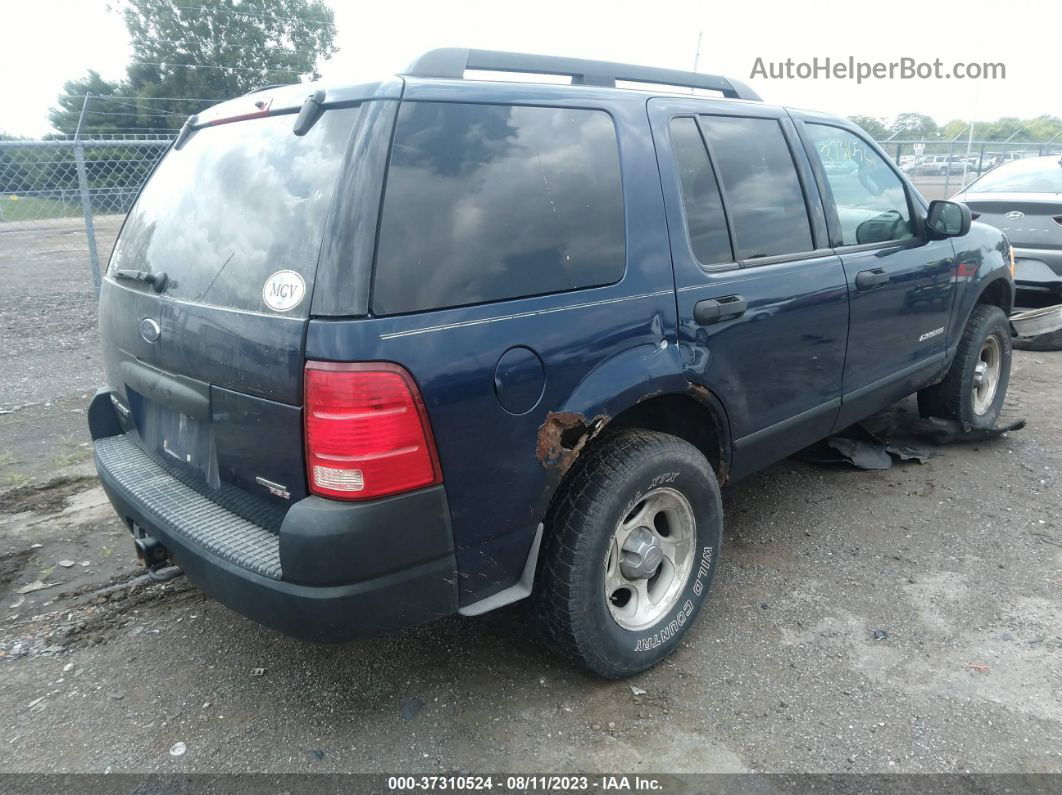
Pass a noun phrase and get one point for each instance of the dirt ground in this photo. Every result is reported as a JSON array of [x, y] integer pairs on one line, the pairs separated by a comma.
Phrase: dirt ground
[[908, 620]]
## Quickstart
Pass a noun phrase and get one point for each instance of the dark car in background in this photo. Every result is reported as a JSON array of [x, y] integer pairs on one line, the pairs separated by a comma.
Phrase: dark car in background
[[1023, 199], [383, 353]]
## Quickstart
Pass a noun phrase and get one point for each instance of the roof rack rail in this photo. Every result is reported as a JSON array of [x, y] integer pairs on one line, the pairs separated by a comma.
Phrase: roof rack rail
[[453, 61]]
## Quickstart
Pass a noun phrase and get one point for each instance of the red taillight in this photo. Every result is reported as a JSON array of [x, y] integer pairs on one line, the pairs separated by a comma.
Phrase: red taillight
[[974, 216], [367, 433]]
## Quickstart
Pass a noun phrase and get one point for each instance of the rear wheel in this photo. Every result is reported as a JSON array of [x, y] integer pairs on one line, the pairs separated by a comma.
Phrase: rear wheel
[[973, 391], [632, 545]]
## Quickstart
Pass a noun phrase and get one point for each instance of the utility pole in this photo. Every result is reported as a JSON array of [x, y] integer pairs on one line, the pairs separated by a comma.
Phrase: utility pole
[[966, 162], [697, 55], [86, 197], [947, 163]]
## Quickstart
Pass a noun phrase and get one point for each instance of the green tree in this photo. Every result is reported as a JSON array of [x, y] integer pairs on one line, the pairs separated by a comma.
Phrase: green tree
[[187, 50], [874, 127], [956, 128], [101, 116], [1043, 128], [1002, 129], [914, 126]]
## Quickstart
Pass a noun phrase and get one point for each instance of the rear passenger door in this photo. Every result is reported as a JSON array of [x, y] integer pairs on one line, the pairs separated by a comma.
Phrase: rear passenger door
[[762, 301], [901, 282]]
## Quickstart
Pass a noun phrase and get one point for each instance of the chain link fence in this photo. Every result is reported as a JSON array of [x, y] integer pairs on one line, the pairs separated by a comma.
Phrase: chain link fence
[[79, 183], [942, 168], [53, 187]]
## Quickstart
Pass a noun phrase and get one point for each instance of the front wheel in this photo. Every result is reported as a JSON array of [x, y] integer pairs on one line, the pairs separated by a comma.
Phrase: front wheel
[[631, 548], [973, 391]]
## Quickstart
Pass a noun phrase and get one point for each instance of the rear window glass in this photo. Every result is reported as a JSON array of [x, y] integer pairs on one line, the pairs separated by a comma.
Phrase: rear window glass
[[1036, 175], [235, 205], [488, 202], [705, 221], [762, 188]]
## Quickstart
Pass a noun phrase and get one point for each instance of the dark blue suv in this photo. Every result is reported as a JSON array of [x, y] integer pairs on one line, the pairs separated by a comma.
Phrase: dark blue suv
[[390, 352]]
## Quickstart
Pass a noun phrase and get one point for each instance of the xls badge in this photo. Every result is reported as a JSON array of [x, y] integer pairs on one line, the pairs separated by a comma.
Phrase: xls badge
[[283, 291]]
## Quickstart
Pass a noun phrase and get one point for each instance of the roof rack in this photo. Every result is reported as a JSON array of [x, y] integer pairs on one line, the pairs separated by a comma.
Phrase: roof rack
[[452, 62]]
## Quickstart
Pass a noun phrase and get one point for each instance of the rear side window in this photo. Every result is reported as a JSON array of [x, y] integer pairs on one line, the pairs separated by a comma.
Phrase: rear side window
[[762, 189], [489, 202], [705, 221]]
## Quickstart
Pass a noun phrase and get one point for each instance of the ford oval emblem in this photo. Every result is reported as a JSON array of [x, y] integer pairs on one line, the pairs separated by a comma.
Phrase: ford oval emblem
[[150, 330], [1014, 215]]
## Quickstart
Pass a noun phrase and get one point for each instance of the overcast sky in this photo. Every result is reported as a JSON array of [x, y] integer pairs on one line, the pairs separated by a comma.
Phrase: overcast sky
[[49, 41]]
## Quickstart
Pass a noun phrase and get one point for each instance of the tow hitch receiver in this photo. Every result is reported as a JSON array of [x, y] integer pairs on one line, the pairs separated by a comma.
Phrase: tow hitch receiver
[[151, 553]]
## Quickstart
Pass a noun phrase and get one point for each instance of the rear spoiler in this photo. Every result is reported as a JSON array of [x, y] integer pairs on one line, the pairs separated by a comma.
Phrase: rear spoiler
[[288, 99], [238, 110]]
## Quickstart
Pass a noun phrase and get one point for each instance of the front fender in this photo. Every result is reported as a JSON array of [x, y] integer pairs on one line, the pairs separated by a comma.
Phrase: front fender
[[982, 259]]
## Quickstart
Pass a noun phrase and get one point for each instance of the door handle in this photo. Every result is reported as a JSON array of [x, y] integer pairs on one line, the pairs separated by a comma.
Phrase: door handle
[[868, 280], [715, 310]]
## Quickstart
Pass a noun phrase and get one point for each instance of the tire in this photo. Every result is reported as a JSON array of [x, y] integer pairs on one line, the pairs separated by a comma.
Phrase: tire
[[986, 337], [619, 489], [1051, 341]]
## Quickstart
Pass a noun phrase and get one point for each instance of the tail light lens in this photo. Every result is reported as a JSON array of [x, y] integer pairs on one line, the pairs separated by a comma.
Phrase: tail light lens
[[367, 433], [974, 216]]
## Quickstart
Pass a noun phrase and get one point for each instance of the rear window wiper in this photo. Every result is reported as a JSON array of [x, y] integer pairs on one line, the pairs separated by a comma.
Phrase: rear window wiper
[[158, 281]]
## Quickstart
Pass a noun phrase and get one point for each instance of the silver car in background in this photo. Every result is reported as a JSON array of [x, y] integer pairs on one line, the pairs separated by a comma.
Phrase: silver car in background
[[1023, 198]]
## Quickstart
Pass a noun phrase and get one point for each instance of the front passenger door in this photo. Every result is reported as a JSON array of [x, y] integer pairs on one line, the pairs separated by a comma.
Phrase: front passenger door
[[899, 281]]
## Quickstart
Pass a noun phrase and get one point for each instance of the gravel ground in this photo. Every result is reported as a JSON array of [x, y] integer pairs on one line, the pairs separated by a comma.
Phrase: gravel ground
[[48, 310], [900, 621]]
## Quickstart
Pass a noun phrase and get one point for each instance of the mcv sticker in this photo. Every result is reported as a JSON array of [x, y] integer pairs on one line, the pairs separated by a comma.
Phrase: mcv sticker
[[283, 291]]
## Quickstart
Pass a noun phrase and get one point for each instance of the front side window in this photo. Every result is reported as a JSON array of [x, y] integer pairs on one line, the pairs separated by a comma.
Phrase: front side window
[[705, 221], [871, 201], [762, 189], [490, 202]]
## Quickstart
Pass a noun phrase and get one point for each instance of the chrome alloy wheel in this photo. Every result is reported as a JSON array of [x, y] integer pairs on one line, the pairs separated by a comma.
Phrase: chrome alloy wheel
[[650, 559], [986, 375]]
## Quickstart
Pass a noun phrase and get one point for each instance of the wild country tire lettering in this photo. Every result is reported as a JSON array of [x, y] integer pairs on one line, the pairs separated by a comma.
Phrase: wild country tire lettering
[[673, 626]]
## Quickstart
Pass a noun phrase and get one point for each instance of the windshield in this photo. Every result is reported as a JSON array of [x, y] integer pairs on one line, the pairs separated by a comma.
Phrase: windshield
[[1035, 175], [236, 216]]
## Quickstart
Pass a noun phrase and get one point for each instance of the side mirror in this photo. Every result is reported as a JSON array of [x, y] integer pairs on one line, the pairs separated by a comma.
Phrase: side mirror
[[948, 219]]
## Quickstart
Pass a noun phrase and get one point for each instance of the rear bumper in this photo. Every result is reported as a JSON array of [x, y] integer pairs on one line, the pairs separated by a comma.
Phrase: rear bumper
[[334, 572], [1038, 269]]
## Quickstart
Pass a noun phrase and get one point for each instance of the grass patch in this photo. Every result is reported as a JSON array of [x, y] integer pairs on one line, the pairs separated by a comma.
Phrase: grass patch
[[15, 207], [16, 479], [68, 459]]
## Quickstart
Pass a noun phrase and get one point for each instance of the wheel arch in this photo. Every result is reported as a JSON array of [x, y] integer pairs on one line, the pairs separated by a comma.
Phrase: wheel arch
[[998, 291], [688, 411]]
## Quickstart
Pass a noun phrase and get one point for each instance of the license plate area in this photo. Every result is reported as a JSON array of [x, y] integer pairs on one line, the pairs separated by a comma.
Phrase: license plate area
[[178, 439]]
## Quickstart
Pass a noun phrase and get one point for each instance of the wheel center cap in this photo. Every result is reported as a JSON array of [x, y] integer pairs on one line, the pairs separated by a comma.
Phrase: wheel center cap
[[642, 554]]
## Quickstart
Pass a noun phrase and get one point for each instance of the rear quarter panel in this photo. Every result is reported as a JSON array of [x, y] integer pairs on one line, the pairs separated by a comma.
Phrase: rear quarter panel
[[596, 346]]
